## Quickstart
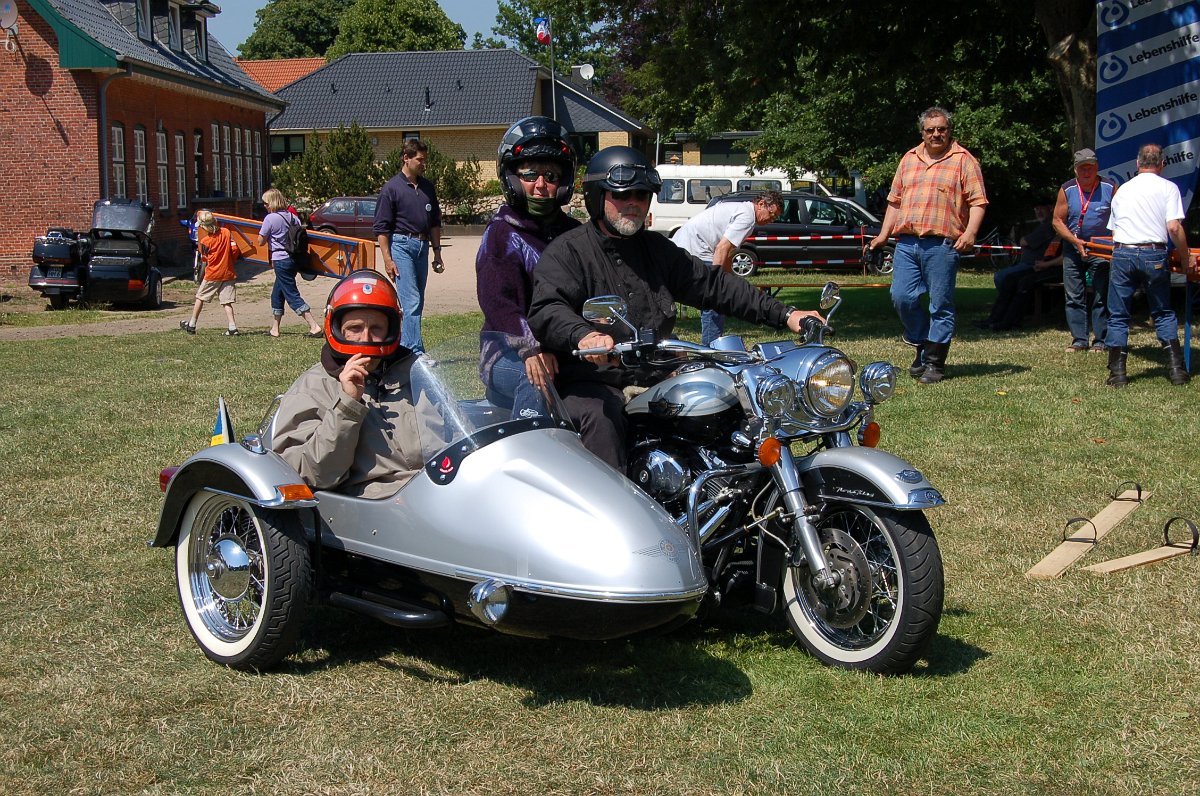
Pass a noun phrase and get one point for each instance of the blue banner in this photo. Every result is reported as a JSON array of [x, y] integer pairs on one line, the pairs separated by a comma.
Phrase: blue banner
[[1148, 87]]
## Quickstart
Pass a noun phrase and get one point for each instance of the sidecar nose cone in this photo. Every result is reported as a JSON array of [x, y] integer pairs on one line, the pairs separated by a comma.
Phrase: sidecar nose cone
[[228, 568], [488, 600]]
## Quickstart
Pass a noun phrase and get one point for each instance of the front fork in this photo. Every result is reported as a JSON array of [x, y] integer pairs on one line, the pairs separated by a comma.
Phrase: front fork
[[788, 483]]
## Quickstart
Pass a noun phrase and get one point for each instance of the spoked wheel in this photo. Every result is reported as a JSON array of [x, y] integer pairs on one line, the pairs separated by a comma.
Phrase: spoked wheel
[[743, 263], [244, 576], [887, 606]]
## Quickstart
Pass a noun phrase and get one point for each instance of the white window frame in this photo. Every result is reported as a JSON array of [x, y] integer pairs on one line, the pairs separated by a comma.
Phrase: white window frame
[[164, 172], [228, 162], [197, 162], [237, 161], [202, 39], [139, 164], [216, 157], [180, 170], [174, 28], [248, 162], [258, 170], [117, 147], [145, 27]]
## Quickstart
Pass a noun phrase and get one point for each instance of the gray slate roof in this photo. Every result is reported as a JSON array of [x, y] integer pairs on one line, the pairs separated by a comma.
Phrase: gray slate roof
[[440, 88], [113, 24]]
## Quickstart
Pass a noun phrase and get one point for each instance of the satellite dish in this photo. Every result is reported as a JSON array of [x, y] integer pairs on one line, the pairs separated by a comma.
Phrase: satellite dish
[[8, 13], [587, 71]]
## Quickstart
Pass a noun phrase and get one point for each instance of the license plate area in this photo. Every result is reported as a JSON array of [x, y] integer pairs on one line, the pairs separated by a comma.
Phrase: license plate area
[[54, 272]]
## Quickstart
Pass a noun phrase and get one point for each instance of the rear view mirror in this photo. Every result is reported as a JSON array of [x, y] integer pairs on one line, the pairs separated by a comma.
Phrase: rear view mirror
[[604, 309], [830, 295]]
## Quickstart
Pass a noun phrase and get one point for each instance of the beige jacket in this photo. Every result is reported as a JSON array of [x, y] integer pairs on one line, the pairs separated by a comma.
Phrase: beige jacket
[[366, 449]]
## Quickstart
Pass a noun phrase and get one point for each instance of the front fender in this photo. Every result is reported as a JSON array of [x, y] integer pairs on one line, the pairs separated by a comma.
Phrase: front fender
[[868, 476], [229, 468]]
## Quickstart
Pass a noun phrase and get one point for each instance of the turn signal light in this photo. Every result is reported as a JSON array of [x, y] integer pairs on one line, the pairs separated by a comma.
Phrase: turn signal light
[[868, 435], [165, 476], [769, 451], [295, 492]]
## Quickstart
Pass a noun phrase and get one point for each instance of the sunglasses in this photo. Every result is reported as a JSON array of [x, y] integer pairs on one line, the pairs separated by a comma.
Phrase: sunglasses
[[529, 175], [636, 194], [932, 130]]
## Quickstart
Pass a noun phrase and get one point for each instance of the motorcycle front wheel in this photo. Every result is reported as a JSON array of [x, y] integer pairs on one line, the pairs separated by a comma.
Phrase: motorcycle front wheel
[[244, 575], [888, 604]]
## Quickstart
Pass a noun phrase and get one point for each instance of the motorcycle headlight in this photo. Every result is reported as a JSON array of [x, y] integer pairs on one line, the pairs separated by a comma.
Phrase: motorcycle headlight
[[829, 385], [776, 395], [878, 381]]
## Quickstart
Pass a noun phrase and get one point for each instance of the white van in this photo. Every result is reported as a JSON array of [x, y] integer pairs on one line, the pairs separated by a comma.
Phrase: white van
[[686, 190]]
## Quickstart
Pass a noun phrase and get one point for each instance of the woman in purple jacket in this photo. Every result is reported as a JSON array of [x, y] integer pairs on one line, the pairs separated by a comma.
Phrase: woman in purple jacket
[[536, 168]]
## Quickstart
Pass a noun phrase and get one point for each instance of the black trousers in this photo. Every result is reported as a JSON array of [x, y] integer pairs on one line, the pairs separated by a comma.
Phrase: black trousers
[[598, 411]]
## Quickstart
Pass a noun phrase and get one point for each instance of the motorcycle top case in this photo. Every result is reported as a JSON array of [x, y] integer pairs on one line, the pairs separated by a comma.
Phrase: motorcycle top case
[[123, 214], [56, 249]]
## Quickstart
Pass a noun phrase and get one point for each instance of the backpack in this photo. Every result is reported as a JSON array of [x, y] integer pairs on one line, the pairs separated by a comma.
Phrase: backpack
[[295, 240]]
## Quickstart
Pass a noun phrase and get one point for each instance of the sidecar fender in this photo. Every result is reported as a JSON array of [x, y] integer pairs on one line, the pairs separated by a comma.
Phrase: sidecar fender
[[868, 476], [229, 468]]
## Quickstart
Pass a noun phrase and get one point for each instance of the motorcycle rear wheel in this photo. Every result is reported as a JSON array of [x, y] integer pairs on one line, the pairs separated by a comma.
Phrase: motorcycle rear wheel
[[244, 575], [887, 609]]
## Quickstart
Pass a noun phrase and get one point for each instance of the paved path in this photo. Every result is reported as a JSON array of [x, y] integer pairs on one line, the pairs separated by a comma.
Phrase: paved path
[[447, 293]]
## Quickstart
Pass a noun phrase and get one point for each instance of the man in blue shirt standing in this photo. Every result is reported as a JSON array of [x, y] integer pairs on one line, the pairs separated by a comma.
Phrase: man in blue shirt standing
[[408, 221], [1080, 214]]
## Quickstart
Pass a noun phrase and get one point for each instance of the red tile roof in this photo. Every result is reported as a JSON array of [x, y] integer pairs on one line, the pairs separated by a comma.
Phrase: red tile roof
[[278, 72]]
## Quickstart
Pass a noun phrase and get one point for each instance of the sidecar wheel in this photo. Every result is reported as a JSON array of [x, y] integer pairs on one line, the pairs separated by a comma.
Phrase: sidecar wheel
[[244, 576], [887, 608]]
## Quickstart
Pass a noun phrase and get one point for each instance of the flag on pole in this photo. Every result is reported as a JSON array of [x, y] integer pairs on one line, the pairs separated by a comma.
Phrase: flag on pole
[[223, 430], [543, 30]]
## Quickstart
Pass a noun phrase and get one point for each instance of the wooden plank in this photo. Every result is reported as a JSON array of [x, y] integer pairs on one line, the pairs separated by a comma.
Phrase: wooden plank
[[329, 254], [1139, 559], [1075, 548]]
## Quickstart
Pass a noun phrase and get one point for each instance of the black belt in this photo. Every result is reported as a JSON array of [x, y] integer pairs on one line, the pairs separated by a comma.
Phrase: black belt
[[1139, 245], [417, 235]]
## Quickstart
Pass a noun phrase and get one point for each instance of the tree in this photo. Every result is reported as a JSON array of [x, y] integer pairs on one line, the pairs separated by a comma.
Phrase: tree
[[341, 164], [293, 29], [574, 30], [1070, 28], [370, 26]]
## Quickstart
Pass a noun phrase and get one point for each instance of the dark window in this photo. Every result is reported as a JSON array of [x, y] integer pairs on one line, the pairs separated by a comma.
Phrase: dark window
[[284, 147]]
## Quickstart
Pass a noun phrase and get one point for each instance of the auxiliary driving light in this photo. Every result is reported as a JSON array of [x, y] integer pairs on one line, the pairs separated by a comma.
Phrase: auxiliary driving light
[[776, 395], [878, 381], [488, 600]]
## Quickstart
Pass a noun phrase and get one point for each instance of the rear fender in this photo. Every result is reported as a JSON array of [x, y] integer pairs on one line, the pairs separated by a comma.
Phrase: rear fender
[[866, 476], [232, 469]]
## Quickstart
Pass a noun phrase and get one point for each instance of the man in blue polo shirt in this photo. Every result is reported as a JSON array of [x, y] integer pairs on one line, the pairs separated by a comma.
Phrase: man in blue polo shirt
[[408, 221]]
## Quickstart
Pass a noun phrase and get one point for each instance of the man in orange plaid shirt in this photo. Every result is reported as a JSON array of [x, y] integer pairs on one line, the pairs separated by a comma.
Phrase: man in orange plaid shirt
[[935, 208]]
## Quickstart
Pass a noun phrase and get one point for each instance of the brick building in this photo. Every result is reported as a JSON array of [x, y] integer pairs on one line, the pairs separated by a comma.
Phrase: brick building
[[123, 98], [461, 101]]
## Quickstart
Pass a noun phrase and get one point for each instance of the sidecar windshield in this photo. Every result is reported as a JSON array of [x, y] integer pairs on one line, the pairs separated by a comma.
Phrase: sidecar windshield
[[452, 409]]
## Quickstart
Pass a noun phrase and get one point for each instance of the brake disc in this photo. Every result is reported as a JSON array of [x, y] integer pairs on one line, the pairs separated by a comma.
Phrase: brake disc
[[847, 603]]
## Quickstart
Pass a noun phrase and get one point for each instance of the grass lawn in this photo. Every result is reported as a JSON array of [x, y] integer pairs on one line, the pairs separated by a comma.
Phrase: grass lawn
[[1084, 685]]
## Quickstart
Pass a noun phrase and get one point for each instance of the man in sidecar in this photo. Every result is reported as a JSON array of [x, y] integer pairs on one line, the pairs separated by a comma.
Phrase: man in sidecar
[[350, 422], [616, 255]]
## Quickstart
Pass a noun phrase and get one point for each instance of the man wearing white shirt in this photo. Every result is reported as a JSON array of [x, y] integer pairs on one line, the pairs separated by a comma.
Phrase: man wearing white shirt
[[716, 233], [1146, 211]]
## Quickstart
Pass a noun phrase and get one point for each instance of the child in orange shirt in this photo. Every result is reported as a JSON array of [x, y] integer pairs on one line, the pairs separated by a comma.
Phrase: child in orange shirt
[[220, 281]]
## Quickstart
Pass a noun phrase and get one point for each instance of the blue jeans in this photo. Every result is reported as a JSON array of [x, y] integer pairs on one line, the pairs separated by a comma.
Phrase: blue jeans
[[285, 289], [1075, 273], [509, 386], [411, 256], [1148, 268], [712, 323], [925, 266]]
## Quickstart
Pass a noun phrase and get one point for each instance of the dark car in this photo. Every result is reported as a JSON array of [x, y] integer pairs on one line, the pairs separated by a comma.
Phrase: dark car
[[808, 215], [115, 261], [352, 216]]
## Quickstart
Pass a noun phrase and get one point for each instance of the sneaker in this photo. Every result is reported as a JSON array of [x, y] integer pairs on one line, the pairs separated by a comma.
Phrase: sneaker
[[187, 327], [232, 332]]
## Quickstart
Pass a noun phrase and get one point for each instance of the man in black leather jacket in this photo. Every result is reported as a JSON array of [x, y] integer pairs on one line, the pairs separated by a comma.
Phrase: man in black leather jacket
[[615, 255]]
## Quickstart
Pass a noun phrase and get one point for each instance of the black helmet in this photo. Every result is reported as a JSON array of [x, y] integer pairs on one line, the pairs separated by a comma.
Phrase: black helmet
[[535, 137], [616, 168]]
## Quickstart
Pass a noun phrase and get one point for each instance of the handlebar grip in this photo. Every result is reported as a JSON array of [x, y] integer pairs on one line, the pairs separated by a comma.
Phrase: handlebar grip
[[587, 352]]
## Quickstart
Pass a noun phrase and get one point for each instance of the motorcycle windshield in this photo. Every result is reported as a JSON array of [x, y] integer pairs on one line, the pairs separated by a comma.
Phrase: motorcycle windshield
[[454, 410]]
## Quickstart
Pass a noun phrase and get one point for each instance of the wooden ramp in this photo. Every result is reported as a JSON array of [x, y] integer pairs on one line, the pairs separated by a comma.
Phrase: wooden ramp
[[329, 254], [1075, 547], [1168, 549]]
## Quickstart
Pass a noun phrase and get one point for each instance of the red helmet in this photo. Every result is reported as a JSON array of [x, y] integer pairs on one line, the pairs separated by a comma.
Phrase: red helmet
[[363, 290]]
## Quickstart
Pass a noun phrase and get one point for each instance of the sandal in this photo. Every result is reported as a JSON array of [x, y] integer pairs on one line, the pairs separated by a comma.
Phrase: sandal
[[1075, 348], [315, 335], [1098, 348]]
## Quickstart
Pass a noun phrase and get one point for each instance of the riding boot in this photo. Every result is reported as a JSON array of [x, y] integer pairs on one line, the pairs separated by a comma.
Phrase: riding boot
[[918, 364], [1176, 372], [1116, 367], [935, 362]]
